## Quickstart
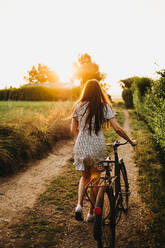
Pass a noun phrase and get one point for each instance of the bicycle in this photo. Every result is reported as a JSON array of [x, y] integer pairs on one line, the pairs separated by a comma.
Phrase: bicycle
[[112, 198]]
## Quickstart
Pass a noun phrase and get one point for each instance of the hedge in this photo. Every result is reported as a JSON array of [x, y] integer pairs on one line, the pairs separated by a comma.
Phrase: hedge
[[149, 103]]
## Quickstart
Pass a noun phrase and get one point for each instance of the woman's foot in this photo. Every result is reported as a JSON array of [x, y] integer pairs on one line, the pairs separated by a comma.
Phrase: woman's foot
[[90, 217], [78, 213]]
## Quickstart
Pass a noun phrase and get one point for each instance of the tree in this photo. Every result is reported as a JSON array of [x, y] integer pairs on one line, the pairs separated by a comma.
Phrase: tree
[[127, 93], [161, 73], [85, 69], [127, 97], [127, 83], [143, 84], [41, 74]]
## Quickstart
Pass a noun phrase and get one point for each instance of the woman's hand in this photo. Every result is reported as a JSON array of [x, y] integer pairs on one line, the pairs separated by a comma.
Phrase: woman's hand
[[133, 142]]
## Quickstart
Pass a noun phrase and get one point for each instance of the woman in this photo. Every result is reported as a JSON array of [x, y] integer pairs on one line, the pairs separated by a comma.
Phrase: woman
[[89, 114]]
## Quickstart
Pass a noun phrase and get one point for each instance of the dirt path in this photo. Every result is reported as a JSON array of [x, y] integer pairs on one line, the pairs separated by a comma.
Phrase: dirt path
[[21, 191], [131, 226]]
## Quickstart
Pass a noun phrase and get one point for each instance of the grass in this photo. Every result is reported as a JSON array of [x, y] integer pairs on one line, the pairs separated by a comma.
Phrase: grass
[[28, 131], [151, 179], [20, 112], [49, 222]]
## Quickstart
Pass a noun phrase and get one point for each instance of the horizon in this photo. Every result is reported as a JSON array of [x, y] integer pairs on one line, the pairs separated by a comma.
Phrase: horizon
[[123, 37]]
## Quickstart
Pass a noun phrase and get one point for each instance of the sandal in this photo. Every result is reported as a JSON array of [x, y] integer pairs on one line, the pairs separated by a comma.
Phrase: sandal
[[90, 217], [79, 216], [78, 213]]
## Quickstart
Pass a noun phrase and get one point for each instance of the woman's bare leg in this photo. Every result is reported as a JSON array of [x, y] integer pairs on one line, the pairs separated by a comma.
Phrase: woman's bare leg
[[94, 190], [86, 176], [93, 195], [81, 192], [83, 181]]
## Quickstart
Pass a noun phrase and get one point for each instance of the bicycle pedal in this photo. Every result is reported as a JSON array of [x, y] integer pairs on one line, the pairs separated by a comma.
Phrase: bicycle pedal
[[125, 193], [100, 167]]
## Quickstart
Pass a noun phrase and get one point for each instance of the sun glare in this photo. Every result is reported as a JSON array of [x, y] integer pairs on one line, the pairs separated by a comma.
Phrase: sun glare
[[65, 73], [55, 35]]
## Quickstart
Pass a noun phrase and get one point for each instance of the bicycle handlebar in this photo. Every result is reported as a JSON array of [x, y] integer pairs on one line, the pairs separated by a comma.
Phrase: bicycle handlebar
[[117, 143]]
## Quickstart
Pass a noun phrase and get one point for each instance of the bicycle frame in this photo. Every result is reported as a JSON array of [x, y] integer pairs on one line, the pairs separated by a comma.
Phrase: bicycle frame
[[109, 180], [100, 183]]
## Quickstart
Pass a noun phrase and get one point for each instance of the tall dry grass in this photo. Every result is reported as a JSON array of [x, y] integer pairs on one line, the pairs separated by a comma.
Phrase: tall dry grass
[[28, 131]]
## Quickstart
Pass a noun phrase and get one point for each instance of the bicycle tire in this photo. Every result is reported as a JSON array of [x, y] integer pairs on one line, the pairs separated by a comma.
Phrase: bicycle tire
[[124, 187], [104, 223]]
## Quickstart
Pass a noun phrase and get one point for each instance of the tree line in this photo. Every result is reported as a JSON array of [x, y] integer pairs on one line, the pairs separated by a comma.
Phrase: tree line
[[39, 93]]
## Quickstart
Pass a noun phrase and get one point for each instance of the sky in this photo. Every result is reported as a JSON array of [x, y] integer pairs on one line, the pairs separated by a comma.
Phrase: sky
[[124, 37]]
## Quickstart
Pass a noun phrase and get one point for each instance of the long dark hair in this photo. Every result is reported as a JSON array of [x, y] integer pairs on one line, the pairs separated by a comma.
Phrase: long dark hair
[[97, 99]]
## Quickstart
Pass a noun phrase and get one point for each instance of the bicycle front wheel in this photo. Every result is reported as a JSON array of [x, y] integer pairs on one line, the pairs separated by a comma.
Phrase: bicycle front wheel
[[104, 224], [124, 186]]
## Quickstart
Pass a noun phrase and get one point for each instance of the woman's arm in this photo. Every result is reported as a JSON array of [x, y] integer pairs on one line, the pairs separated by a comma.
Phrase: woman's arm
[[121, 132], [74, 126]]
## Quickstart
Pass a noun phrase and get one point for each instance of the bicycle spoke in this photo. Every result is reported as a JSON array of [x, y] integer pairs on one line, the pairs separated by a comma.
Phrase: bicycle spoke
[[124, 187], [104, 226]]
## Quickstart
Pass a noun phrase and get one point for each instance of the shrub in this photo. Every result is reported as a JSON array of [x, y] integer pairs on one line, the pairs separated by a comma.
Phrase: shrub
[[127, 93], [28, 131], [148, 99], [128, 98], [143, 85]]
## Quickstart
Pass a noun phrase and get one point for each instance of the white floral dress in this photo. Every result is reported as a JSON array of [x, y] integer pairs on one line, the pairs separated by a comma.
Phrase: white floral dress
[[89, 149]]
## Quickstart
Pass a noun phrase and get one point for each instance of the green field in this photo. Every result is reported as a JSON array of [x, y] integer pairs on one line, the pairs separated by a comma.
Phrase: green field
[[16, 111], [28, 130]]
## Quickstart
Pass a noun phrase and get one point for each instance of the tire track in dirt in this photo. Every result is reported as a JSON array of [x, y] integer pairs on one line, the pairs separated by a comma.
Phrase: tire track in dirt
[[20, 192]]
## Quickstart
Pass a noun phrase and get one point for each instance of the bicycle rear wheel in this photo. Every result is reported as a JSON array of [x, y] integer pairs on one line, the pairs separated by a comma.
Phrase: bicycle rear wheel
[[124, 186], [104, 224]]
